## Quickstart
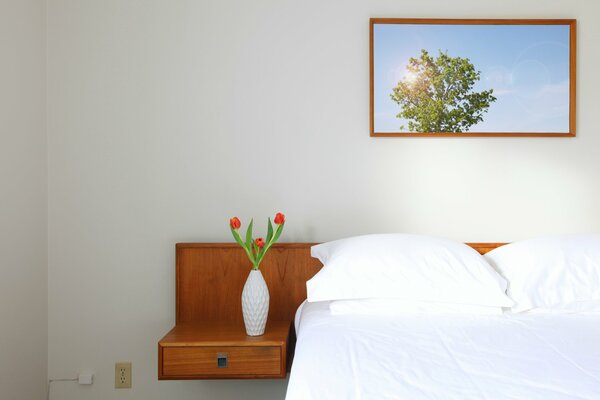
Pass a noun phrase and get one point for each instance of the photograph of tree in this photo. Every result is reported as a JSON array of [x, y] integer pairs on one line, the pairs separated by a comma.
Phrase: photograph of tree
[[472, 78]]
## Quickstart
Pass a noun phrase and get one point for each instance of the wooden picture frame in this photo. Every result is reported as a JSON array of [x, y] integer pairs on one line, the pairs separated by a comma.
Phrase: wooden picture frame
[[529, 64]]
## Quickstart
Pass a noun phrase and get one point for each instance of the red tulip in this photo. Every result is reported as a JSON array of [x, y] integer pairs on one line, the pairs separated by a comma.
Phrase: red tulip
[[279, 219], [235, 223], [260, 242]]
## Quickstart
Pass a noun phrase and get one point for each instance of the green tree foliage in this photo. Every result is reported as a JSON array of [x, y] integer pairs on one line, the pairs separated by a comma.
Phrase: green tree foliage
[[437, 94]]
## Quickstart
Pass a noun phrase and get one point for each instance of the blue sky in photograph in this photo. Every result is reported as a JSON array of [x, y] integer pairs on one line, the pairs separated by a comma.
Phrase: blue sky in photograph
[[526, 65]]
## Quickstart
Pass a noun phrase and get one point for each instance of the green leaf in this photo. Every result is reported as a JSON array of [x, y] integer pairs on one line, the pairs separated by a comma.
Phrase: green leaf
[[262, 254], [269, 232], [249, 235], [278, 232], [249, 242], [239, 241], [237, 237]]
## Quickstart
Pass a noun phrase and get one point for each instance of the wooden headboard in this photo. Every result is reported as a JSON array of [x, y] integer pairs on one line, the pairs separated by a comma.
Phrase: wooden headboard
[[210, 278]]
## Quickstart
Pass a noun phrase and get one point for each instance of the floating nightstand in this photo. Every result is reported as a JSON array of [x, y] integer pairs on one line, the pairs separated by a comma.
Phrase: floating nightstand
[[209, 340], [216, 350]]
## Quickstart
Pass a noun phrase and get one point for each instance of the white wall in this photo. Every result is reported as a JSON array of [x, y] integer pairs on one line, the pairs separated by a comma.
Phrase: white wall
[[167, 117], [23, 272]]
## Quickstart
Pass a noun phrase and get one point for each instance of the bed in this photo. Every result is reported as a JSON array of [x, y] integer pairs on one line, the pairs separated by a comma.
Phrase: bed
[[521, 356], [545, 345]]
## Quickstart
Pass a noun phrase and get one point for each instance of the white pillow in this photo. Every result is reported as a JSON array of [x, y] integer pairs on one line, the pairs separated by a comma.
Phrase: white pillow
[[556, 272], [403, 266], [392, 307]]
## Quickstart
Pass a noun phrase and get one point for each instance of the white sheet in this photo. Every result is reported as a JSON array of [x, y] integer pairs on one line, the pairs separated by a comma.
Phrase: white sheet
[[518, 356]]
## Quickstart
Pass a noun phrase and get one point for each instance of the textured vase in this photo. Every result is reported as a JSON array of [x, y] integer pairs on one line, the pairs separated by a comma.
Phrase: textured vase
[[255, 303]]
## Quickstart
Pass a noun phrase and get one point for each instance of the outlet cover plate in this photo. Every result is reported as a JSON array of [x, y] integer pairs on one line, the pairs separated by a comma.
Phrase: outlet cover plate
[[123, 375]]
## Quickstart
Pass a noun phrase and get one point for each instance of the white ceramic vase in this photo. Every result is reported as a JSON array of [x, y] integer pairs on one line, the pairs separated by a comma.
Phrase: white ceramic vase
[[255, 303]]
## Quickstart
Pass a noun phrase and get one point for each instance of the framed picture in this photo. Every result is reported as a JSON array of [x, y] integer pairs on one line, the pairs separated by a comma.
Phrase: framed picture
[[472, 77]]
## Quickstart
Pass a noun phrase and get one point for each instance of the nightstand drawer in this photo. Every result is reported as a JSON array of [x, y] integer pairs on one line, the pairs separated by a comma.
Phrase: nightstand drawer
[[220, 361]]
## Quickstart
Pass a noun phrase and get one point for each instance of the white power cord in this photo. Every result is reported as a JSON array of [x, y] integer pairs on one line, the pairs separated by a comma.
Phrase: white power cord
[[83, 379]]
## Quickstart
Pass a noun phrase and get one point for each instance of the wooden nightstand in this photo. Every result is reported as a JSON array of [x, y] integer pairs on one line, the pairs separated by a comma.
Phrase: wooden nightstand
[[221, 350], [210, 278]]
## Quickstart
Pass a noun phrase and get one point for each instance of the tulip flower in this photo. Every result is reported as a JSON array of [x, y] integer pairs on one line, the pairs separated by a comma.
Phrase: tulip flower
[[257, 248], [279, 219], [235, 223]]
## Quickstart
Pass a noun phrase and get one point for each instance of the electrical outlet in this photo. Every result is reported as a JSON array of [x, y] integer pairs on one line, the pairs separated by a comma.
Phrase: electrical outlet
[[123, 375]]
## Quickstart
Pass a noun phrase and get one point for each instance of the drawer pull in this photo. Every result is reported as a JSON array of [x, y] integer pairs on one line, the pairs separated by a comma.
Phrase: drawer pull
[[221, 360]]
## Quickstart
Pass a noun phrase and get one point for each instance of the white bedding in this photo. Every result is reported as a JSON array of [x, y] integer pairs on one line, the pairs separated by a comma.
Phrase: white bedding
[[447, 357]]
